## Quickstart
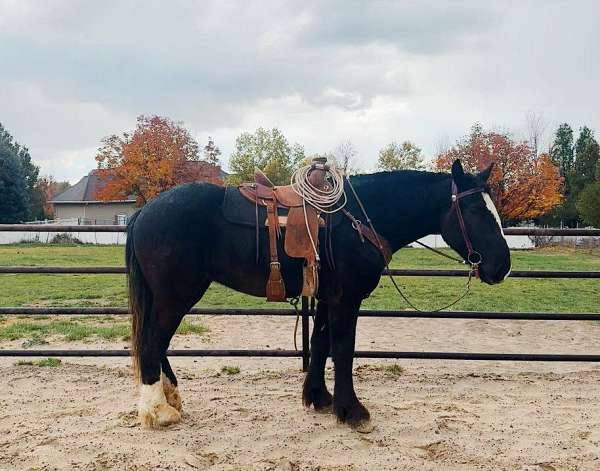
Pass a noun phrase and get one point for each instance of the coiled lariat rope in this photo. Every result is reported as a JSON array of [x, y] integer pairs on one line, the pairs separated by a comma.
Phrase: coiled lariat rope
[[323, 199]]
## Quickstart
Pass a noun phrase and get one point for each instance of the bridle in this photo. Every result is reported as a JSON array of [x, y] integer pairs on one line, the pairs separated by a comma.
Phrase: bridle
[[474, 258]]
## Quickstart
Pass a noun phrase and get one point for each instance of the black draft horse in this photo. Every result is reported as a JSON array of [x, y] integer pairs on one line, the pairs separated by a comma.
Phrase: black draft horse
[[180, 242]]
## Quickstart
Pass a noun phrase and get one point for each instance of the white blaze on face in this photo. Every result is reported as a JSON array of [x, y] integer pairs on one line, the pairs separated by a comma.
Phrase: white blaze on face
[[492, 209]]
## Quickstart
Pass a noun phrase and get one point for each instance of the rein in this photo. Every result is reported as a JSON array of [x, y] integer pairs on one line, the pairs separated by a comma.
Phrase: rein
[[474, 258]]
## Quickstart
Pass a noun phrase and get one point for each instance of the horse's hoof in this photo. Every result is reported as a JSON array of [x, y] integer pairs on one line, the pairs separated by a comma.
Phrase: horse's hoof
[[323, 402], [325, 409], [319, 398], [364, 426], [161, 415], [172, 394], [174, 399]]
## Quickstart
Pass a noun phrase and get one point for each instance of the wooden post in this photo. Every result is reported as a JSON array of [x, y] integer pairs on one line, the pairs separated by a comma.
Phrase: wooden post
[[305, 334]]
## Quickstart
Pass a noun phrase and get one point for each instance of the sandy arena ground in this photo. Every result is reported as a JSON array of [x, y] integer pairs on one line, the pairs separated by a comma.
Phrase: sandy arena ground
[[436, 415]]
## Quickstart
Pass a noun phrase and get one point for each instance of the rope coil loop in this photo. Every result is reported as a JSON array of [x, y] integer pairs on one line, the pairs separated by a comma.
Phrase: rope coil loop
[[323, 199]]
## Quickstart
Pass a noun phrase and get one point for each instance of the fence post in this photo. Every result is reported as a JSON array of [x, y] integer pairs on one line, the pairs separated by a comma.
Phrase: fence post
[[305, 335]]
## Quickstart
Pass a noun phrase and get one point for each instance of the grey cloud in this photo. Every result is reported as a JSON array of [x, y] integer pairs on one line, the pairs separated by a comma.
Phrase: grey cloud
[[414, 27], [74, 71]]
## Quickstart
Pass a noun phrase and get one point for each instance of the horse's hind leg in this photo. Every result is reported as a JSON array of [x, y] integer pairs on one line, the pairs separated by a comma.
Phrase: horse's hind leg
[[169, 383], [154, 409], [315, 391], [160, 402]]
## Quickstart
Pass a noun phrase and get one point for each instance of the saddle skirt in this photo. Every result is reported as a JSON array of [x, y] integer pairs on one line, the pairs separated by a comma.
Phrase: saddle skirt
[[301, 235]]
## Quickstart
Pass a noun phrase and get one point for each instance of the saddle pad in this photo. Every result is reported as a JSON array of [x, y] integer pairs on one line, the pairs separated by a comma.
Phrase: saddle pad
[[238, 210]]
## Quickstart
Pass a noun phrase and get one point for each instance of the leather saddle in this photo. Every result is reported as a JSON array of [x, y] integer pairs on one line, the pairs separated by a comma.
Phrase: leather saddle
[[301, 237]]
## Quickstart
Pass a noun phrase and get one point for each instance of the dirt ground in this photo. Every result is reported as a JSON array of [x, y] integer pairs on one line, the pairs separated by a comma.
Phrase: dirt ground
[[442, 415]]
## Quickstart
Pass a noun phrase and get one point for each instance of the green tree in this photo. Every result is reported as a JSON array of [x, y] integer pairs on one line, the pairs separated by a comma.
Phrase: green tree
[[405, 156], [14, 199], [562, 150], [588, 204], [579, 165], [16, 173], [267, 150], [587, 155]]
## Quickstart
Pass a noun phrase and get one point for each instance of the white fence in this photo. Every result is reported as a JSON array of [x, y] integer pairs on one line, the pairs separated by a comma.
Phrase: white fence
[[119, 238], [112, 238], [514, 242]]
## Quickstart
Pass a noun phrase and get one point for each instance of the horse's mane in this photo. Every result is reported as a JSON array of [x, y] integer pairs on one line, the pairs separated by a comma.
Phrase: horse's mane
[[398, 177]]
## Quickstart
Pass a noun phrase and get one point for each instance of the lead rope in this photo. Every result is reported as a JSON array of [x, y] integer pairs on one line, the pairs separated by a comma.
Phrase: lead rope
[[294, 303], [473, 269]]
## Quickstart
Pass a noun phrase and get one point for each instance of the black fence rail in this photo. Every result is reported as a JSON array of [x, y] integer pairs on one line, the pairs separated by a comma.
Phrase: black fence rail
[[305, 310], [392, 271], [123, 311]]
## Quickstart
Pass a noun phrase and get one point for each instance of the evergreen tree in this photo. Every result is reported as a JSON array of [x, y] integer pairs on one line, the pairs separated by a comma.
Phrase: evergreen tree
[[588, 204], [587, 155], [14, 199], [562, 150], [17, 178]]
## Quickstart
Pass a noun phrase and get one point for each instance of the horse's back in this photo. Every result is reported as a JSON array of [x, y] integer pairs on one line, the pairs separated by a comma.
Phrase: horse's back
[[175, 230]]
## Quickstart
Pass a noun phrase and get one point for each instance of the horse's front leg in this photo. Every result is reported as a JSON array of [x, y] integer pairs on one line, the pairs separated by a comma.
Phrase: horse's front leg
[[315, 391], [342, 328]]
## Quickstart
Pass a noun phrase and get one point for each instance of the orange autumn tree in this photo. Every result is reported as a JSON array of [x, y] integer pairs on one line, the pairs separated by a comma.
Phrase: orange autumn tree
[[524, 185], [158, 155], [47, 188]]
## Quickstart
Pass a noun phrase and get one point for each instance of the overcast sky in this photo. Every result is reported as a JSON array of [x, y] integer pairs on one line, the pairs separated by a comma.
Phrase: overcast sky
[[323, 72]]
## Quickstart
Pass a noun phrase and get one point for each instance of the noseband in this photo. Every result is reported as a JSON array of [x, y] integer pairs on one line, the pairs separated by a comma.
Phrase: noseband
[[473, 257]]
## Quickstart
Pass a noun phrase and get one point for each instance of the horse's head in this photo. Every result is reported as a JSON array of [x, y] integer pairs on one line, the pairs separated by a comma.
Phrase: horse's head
[[479, 237]]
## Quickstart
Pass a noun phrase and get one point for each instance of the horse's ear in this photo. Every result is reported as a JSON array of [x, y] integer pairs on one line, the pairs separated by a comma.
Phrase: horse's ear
[[485, 174], [457, 170]]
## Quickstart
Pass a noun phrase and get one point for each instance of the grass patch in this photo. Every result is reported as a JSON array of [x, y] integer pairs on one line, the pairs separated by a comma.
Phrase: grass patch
[[230, 370], [393, 370], [517, 294], [44, 363], [78, 329], [187, 328]]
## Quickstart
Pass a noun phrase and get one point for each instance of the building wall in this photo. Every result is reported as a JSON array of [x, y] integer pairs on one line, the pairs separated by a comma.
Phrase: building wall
[[105, 212]]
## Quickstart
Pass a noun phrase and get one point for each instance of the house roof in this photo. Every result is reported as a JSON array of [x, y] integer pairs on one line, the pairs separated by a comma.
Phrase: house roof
[[85, 190], [206, 170]]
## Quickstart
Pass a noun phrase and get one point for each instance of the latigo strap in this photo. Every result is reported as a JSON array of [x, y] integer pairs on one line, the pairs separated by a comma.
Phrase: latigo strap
[[275, 284]]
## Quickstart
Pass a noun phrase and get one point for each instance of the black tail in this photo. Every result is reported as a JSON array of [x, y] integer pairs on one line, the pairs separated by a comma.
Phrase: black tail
[[140, 297]]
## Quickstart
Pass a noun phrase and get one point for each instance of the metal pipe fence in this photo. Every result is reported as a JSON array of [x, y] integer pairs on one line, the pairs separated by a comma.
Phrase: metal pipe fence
[[509, 231], [305, 311]]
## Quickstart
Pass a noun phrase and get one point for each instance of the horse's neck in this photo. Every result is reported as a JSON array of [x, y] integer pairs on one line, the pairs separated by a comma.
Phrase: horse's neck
[[403, 209]]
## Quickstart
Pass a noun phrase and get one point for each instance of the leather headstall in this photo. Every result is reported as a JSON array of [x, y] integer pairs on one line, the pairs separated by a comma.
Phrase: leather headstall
[[473, 257]]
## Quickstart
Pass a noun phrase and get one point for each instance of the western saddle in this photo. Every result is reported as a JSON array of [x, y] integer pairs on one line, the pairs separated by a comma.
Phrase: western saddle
[[301, 226]]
